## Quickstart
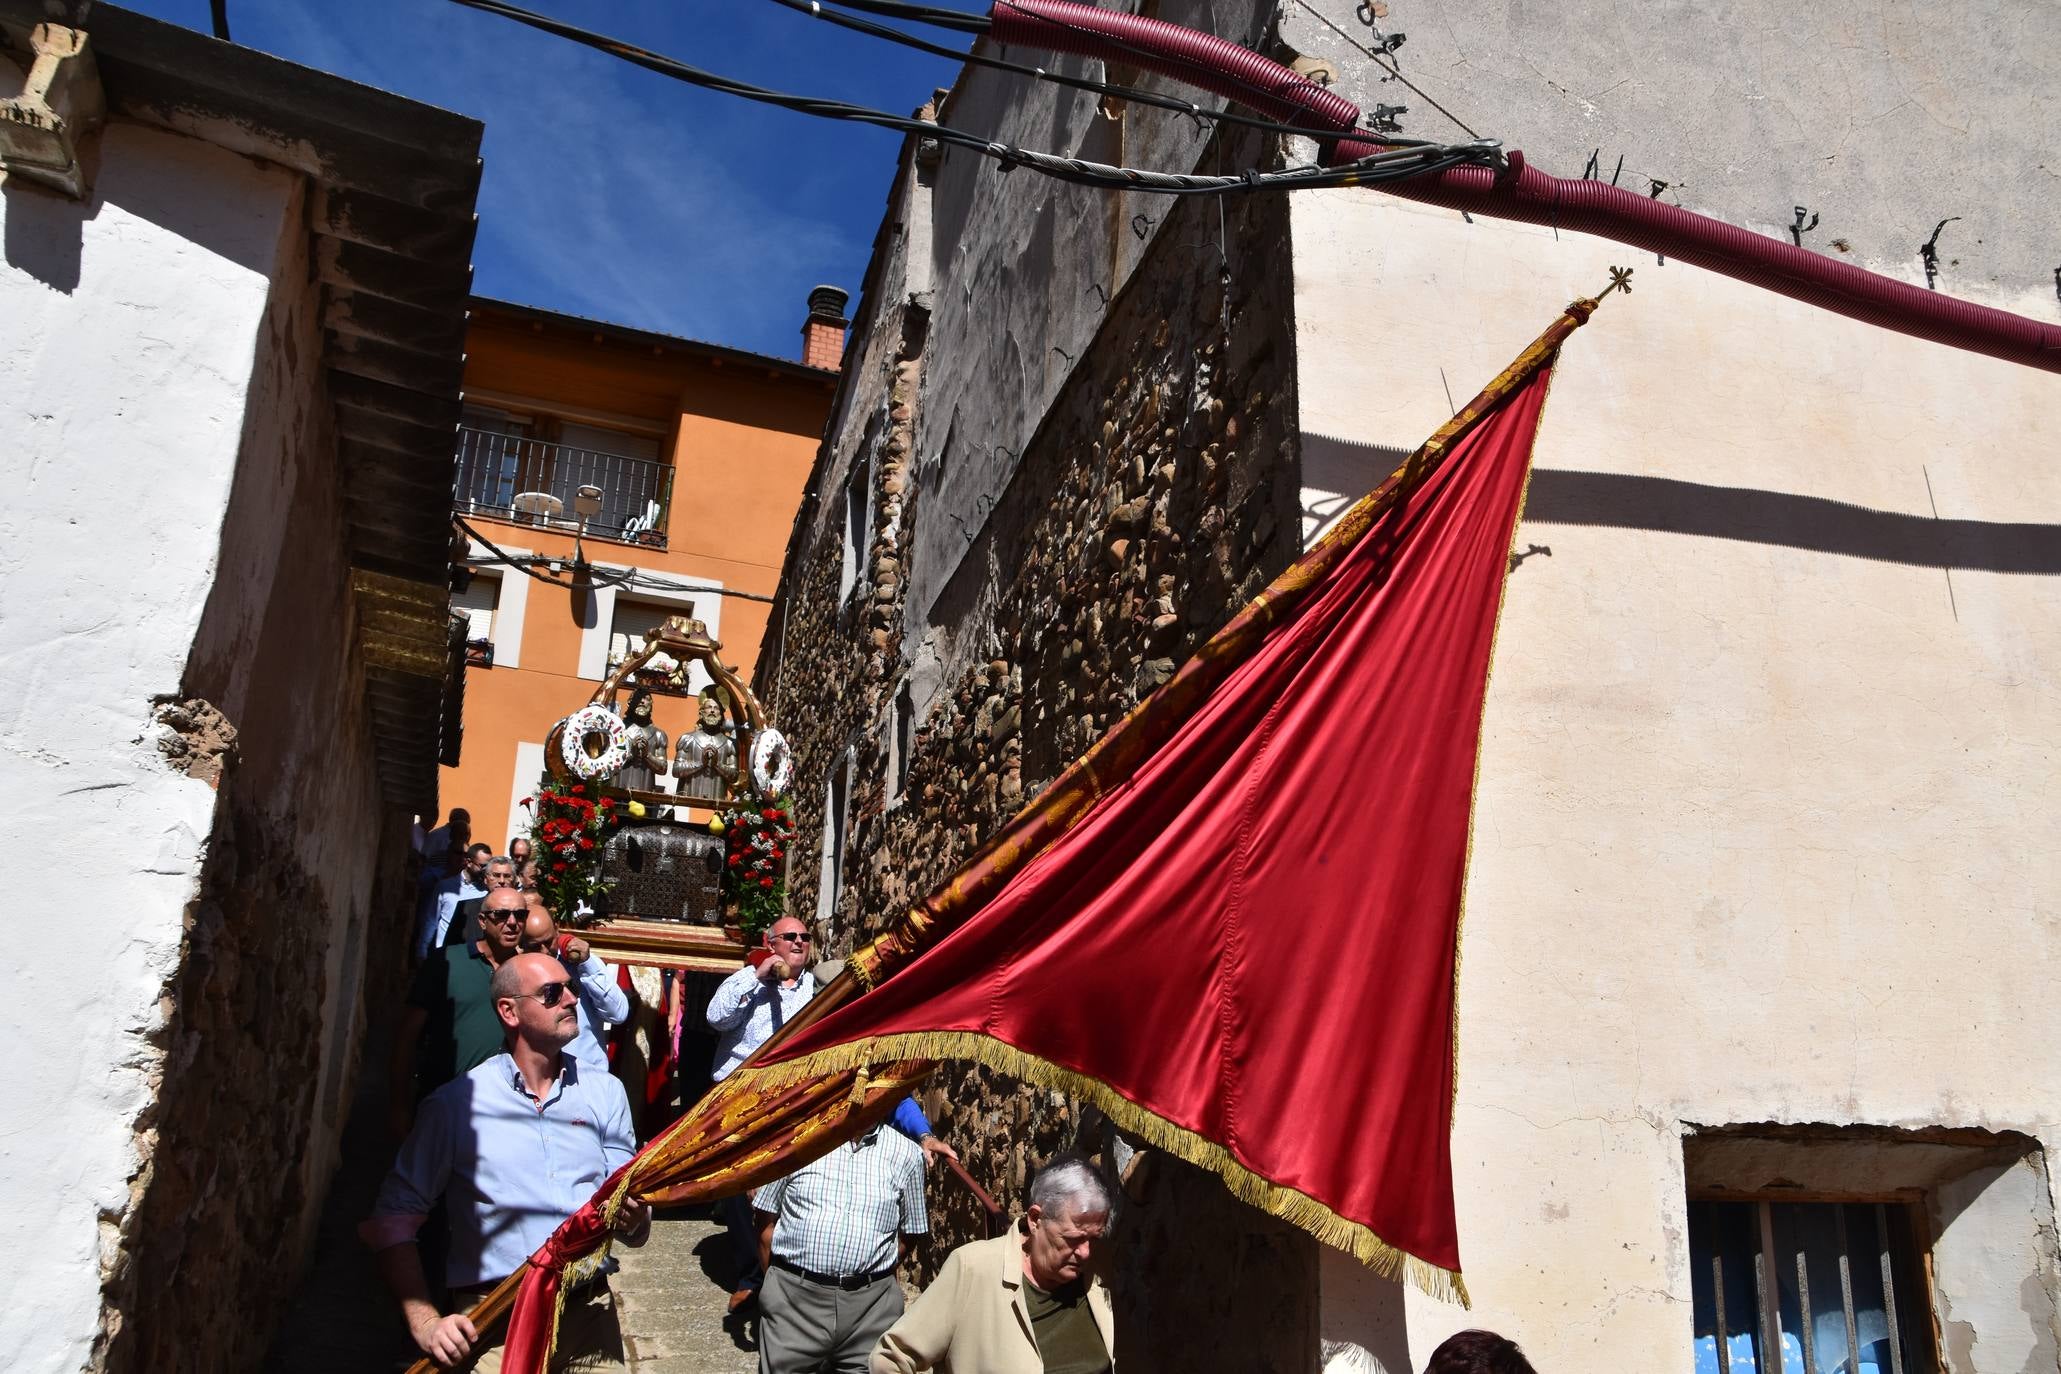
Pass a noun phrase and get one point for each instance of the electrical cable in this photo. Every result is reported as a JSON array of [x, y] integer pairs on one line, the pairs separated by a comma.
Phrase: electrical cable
[[502, 556], [651, 582], [1385, 164], [821, 9], [633, 578], [934, 15], [1516, 191], [218, 10], [1387, 64]]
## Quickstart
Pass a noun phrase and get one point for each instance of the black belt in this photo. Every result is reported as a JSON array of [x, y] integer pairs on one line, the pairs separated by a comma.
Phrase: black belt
[[850, 1283]]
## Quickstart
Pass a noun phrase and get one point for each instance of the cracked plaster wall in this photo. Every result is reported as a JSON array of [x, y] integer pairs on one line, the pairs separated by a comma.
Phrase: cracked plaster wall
[[127, 326], [303, 856], [1758, 834], [184, 739]]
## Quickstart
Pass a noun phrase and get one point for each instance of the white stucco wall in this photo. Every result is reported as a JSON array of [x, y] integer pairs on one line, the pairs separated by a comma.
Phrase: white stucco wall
[[126, 336], [1763, 828]]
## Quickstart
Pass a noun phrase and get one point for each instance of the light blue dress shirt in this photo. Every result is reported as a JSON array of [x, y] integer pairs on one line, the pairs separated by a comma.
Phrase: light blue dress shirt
[[744, 1013], [510, 1168], [602, 1003]]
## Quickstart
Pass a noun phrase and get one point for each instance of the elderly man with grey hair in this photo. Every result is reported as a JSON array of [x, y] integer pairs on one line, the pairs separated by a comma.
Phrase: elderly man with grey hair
[[1022, 1303]]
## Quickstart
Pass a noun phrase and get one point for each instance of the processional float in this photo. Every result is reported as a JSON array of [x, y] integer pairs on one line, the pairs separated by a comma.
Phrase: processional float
[[684, 876]]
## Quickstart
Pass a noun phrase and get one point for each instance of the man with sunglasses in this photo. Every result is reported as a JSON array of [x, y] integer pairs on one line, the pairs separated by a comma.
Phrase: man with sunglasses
[[448, 1025], [512, 1149], [463, 927], [748, 1007]]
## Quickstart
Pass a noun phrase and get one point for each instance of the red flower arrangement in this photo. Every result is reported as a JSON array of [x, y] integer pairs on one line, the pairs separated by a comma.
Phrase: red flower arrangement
[[755, 866], [567, 831]]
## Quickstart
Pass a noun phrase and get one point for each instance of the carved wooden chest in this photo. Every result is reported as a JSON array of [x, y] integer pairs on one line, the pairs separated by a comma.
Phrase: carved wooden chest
[[665, 872]]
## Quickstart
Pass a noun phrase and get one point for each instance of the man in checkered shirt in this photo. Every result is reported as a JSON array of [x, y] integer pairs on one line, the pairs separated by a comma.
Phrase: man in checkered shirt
[[830, 1234]]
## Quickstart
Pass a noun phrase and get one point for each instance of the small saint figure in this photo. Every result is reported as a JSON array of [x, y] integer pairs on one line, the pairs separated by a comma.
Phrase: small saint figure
[[706, 760], [645, 745]]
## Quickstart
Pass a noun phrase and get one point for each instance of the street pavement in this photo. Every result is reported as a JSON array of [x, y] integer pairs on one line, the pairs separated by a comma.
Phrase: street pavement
[[674, 1293]]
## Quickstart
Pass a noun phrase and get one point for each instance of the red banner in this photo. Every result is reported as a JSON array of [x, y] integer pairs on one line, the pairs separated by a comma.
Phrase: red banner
[[1232, 924], [1242, 946]]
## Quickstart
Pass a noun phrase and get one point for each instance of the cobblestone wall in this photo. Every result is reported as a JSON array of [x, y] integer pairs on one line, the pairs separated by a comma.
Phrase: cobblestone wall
[[1159, 493]]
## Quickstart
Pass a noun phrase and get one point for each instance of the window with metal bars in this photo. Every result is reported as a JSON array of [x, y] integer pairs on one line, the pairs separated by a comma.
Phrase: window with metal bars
[[1784, 1287]]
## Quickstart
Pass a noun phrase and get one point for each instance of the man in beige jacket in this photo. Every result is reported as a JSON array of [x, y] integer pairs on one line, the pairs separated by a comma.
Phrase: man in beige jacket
[[1022, 1303]]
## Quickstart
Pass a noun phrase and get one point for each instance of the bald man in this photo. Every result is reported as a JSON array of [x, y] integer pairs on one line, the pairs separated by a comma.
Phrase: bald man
[[602, 1004], [511, 1150]]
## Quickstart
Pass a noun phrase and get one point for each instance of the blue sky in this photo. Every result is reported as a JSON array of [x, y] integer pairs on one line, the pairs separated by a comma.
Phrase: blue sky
[[616, 193]]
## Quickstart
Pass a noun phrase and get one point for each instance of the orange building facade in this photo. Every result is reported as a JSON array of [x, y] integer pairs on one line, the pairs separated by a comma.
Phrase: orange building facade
[[699, 454]]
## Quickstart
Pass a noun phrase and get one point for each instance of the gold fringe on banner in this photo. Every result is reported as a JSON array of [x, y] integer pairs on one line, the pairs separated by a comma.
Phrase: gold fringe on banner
[[1296, 1208]]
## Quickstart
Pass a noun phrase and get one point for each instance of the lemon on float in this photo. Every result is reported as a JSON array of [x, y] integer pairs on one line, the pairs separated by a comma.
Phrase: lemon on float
[[715, 825], [637, 809]]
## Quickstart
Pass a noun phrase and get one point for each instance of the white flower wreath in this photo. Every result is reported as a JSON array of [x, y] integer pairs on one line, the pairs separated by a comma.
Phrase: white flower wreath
[[772, 763], [592, 719]]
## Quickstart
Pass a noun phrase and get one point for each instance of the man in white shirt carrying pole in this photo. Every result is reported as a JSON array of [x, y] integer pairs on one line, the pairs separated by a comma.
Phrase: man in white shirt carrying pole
[[748, 1007]]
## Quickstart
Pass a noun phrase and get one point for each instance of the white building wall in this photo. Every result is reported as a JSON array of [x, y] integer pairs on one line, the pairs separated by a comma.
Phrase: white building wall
[[1763, 830], [125, 359]]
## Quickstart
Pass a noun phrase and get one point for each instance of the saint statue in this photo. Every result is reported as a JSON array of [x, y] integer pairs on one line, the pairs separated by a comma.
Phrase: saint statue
[[706, 761], [646, 746]]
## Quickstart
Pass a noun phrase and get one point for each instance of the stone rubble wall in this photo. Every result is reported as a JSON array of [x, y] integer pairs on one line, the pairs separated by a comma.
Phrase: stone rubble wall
[[1158, 494]]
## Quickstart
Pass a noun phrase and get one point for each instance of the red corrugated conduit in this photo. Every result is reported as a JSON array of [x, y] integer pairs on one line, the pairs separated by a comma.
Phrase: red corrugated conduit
[[1526, 194]]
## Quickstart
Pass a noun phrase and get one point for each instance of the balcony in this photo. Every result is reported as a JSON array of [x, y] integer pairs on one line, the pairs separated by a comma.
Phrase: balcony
[[532, 482]]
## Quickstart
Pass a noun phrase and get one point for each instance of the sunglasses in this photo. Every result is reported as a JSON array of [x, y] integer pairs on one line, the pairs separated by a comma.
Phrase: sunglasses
[[792, 938], [501, 918], [550, 994]]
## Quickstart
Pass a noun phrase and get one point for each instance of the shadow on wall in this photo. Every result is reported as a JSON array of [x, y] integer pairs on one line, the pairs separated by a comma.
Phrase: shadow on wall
[[44, 233], [1778, 518], [1338, 472], [148, 174], [1364, 1330]]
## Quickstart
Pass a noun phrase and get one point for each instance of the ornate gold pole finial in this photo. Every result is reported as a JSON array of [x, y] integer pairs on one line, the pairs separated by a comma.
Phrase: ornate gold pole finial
[[1620, 280]]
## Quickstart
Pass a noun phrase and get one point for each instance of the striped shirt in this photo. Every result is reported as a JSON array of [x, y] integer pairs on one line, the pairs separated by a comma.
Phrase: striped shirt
[[840, 1215]]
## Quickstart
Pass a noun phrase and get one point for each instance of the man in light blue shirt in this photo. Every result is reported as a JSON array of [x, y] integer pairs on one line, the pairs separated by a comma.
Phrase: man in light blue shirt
[[752, 1003], [603, 1003], [513, 1148]]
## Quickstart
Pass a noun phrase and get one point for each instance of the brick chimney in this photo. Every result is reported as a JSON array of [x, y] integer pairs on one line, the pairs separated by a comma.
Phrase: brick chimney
[[823, 331]]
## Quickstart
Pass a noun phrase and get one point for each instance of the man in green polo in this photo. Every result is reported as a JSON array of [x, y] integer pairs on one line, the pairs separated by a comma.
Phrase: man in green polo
[[449, 1026]]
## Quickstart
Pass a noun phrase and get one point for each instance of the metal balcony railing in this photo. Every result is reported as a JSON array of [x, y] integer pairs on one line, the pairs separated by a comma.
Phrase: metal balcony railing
[[507, 475]]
